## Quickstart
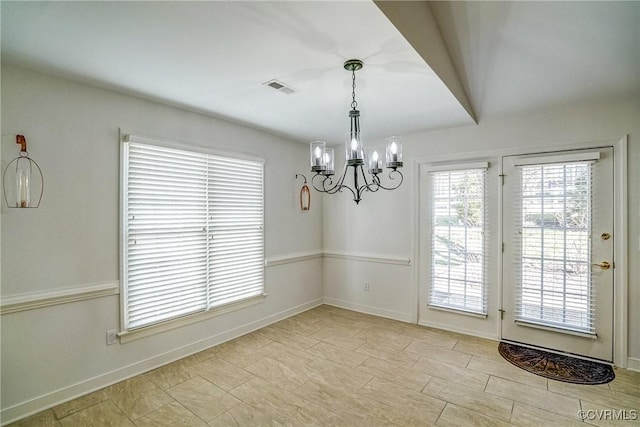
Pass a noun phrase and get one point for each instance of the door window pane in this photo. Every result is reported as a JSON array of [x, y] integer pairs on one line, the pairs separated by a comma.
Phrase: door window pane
[[553, 245]]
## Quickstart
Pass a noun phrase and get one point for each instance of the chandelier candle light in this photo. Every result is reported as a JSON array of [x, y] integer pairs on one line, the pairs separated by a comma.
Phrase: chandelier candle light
[[322, 159]]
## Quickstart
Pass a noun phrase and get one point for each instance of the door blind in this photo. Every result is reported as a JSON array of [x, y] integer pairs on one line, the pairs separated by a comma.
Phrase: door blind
[[193, 235], [458, 239], [553, 245]]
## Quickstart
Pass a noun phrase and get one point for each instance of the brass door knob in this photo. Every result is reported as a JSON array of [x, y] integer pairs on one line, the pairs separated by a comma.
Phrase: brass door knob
[[604, 265]]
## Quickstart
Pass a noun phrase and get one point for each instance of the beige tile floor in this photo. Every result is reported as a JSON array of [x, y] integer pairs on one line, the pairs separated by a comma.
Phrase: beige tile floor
[[333, 367]]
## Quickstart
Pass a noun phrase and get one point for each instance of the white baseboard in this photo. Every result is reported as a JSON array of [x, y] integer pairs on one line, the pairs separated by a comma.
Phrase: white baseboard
[[381, 312], [464, 331], [633, 364], [49, 400]]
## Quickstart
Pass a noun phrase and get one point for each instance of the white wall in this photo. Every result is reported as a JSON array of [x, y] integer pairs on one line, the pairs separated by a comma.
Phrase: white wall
[[384, 223], [55, 353], [378, 231]]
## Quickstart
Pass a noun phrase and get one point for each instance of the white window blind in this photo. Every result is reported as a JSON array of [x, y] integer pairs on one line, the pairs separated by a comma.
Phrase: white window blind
[[458, 239], [236, 267], [193, 232], [553, 245]]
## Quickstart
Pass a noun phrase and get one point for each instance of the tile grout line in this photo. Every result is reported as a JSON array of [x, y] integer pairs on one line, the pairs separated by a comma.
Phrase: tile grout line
[[513, 405], [441, 412]]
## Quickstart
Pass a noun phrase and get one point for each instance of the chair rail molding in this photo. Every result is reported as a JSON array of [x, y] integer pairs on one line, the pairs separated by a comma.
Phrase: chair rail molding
[[32, 300], [376, 258], [292, 257]]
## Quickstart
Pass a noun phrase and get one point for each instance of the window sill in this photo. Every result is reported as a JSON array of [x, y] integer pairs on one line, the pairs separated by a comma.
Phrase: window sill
[[458, 311], [147, 331]]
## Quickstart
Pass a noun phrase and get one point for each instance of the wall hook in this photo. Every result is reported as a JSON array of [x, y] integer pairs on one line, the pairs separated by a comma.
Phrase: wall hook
[[303, 177]]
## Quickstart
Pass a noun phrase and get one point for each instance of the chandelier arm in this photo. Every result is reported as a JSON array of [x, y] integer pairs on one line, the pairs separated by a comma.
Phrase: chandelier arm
[[340, 184], [332, 188], [364, 175], [373, 187], [367, 186], [323, 187], [375, 183], [391, 177], [356, 191]]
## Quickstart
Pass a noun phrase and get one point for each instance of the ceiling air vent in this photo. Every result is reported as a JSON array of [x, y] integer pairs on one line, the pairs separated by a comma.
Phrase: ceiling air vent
[[279, 86]]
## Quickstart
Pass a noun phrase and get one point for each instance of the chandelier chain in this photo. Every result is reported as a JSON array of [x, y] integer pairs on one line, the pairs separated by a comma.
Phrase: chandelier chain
[[354, 104]]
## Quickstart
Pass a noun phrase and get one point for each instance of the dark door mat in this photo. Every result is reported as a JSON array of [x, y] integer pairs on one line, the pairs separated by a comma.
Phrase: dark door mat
[[556, 366]]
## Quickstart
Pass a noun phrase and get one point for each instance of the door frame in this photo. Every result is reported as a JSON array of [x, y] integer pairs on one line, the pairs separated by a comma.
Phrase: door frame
[[620, 250], [597, 344]]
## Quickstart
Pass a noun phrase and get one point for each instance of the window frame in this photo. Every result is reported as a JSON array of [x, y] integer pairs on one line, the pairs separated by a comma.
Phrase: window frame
[[545, 320], [128, 334], [457, 167]]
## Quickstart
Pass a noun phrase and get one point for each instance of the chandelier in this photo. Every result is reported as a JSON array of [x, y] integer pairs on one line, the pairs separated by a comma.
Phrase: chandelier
[[322, 158]]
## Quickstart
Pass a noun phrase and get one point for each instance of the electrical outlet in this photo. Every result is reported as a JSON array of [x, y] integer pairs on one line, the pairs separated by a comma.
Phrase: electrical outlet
[[366, 286], [111, 337]]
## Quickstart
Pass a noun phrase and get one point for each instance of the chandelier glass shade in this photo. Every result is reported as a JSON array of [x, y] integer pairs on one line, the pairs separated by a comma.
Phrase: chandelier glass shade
[[356, 156]]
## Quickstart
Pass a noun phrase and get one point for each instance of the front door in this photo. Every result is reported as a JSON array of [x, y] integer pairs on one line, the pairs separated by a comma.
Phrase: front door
[[558, 251]]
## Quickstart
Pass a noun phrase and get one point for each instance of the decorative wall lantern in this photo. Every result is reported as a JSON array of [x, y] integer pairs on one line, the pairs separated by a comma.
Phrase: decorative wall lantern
[[305, 194], [22, 181]]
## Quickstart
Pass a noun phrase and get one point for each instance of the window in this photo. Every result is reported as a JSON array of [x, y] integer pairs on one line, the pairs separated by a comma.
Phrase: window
[[458, 255], [553, 245], [193, 234]]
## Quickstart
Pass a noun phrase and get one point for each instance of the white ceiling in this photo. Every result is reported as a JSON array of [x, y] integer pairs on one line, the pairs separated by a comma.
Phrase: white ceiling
[[213, 57], [514, 57]]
